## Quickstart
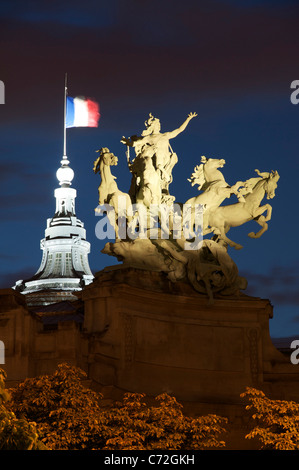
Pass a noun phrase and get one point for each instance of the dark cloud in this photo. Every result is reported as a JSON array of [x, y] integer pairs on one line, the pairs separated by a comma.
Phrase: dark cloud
[[22, 190], [20, 201], [7, 257], [280, 284], [20, 170], [8, 280], [7, 169], [34, 11], [147, 48]]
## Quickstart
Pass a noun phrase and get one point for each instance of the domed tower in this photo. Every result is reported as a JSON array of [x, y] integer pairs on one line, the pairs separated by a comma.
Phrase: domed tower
[[64, 268]]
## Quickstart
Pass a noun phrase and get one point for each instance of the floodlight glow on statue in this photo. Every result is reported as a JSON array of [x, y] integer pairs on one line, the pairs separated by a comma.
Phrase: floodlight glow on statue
[[183, 255]]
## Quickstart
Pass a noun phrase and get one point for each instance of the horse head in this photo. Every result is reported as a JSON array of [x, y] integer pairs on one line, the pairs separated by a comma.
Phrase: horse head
[[110, 159], [271, 184], [213, 163], [208, 166], [106, 157]]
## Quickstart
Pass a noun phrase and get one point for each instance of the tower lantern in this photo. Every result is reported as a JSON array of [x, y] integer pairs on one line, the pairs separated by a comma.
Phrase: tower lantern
[[64, 268]]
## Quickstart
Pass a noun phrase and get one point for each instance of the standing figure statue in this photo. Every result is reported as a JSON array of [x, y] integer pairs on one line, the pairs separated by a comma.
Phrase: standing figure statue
[[157, 144], [149, 180]]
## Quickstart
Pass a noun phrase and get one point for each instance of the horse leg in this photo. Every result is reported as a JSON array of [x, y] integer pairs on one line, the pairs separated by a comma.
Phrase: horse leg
[[220, 231], [269, 212], [262, 209], [261, 220]]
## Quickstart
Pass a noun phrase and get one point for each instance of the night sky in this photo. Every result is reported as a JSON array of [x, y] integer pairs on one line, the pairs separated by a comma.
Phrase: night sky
[[232, 62]]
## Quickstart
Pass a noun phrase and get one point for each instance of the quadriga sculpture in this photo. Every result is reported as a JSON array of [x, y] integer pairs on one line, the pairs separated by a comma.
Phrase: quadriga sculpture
[[203, 263]]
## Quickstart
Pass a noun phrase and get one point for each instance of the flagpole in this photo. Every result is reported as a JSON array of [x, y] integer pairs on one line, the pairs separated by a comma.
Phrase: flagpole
[[64, 121]]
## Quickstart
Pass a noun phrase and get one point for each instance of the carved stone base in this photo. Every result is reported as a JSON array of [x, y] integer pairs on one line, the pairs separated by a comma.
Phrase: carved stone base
[[146, 334]]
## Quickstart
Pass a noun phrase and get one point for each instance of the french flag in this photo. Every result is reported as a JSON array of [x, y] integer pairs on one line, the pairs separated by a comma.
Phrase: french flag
[[81, 112]]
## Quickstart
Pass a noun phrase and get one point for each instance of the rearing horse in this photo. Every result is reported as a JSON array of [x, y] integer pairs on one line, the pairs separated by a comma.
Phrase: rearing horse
[[215, 189], [108, 189], [234, 215]]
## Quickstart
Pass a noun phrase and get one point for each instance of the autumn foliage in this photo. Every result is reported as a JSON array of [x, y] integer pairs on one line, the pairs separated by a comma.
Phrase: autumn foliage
[[132, 424], [15, 434], [277, 421], [70, 416], [58, 412], [67, 413]]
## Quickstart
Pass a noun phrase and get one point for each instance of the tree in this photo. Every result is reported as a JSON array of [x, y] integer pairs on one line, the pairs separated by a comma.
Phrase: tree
[[277, 421], [15, 434], [66, 412], [70, 416], [132, 424]]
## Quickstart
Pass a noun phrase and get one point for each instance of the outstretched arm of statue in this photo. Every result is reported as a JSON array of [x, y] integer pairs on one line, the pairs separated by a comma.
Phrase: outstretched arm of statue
[[126, 141], [131, 141], [176, 132]]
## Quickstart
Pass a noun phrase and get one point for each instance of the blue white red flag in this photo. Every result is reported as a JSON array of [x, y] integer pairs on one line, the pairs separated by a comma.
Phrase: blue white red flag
[[81, 112]]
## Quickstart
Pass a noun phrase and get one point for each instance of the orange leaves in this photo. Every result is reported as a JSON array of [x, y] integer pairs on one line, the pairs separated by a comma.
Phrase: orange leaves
[[59, 410], [277, 421], [62, 407], [15, 434], [137, 425], [69, 416]]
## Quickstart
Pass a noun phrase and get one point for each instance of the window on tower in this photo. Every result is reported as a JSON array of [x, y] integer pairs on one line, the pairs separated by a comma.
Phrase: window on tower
[[57, 265], [68, 264]]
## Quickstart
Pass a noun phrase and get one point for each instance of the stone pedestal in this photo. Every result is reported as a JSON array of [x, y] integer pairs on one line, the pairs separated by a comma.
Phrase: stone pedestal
[[146, 334]]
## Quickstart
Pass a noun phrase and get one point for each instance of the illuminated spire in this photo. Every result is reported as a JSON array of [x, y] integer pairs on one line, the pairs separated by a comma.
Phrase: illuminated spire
[[64, 268]]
